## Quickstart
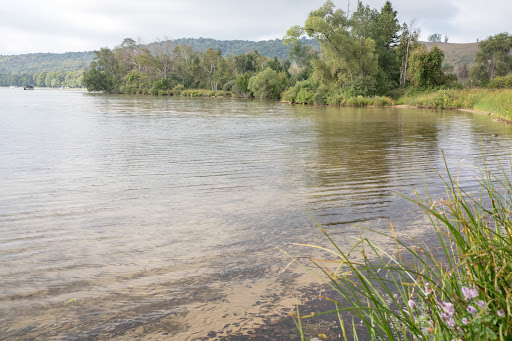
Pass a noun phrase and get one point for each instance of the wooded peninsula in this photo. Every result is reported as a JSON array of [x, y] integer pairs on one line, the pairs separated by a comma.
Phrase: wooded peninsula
[[361, 58]]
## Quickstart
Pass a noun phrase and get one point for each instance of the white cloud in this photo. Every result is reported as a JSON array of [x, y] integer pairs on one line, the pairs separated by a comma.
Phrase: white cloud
[[63, 25]]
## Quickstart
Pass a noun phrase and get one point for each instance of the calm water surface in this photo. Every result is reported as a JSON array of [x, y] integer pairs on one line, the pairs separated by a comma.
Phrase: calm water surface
[[133, 216]]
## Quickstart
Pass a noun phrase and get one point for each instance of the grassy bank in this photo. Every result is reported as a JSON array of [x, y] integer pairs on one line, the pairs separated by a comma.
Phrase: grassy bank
[[206, 93], [461, 290], [498, 102]]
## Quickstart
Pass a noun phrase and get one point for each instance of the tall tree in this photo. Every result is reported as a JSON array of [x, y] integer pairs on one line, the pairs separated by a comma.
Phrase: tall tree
[[426, 67], [386, 45], [493, 57], [434, 38], [209, 62], [345, 55], [364, 22], [185, 65], [408, 42], [103, 74]]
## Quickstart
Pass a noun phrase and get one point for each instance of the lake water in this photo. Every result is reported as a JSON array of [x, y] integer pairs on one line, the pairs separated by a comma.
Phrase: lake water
[[163, 218]]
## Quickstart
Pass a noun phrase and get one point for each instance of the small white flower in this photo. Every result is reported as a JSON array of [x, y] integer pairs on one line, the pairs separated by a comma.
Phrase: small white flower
[[428, 289]]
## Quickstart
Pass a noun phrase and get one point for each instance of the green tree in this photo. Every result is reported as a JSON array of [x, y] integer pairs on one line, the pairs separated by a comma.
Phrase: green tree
[[408, 42], [386, 47], [40, 79], [434, 38], [267, 84], [426, 67], [246, 63], [241, 86], [209, 63], [346, 57], [301, 54], [493, 57], [185, 65], [103, 74], [364, 22]]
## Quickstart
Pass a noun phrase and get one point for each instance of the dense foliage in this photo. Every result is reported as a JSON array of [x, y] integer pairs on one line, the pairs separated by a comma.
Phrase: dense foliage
[[50, 79], [493, 58], [38, 62], [168, 69], [365, 54], [19, 70], [333, 58]]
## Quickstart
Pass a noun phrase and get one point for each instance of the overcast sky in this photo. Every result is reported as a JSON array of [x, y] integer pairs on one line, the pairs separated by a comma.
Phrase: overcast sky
[[28, 26]]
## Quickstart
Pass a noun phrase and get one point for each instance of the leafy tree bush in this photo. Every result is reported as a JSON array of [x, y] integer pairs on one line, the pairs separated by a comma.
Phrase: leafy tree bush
[[435, 38], [267, 84], [493, 58], [504, 82], [426, 68], [241, 86]]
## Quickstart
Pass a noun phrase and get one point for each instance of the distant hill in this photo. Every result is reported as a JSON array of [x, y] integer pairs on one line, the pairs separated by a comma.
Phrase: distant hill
[[270, 48], [72, 61], [456, 54], [37, 62]]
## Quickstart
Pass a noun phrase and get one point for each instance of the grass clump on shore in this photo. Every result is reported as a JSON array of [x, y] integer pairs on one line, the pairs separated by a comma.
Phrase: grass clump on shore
[[308, 92], [461, 290], [498, 102], [206, 93]]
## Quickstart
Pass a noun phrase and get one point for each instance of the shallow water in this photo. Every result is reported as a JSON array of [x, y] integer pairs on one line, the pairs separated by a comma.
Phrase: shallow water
[[158, 217]]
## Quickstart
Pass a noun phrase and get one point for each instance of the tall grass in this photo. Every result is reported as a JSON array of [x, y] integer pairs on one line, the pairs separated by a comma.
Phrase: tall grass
[[459, 290], [206, 93], [498, 102]]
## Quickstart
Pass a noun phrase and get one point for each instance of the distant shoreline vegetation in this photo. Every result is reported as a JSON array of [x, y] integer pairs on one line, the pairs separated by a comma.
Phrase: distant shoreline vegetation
[[365, 58]]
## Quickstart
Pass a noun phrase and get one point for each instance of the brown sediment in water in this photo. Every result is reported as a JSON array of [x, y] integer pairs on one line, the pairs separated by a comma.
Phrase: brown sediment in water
[[270, 316], [234, 306]]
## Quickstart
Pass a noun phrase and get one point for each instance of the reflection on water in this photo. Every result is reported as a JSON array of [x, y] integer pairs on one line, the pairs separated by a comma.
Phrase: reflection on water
[[127, 216]]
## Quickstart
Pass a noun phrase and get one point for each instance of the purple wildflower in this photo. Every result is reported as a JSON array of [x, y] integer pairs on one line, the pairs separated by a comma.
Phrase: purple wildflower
[[448, 308], [411, 304], [501, 313], [469, 293], [480, 303], [473, 293], [472, 310], [465, 292], [465, 321], [451, 323]]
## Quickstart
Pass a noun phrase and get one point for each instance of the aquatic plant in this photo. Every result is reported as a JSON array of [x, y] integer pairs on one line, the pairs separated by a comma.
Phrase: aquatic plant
[[461, 289]]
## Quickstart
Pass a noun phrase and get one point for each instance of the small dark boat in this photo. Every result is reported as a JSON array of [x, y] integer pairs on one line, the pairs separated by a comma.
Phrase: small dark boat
[[28, 87]]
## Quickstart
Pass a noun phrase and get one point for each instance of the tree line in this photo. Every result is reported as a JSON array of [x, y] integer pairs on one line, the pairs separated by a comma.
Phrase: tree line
[[49, 79], [364, 53]]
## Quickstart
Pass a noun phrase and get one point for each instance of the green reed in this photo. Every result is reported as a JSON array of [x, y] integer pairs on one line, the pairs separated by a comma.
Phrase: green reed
[[498, 102], [459, 290]]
